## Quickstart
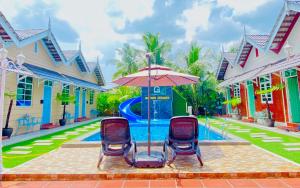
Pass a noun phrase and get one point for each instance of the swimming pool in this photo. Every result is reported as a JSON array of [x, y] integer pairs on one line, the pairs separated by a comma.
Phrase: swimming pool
[[159, 132]]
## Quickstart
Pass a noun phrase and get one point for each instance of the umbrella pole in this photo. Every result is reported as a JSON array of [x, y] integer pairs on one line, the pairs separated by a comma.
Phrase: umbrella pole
[[149, 95]]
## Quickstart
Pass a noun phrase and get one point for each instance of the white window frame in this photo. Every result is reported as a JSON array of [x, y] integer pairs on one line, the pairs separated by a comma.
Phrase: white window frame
[[25, 83], [266, 85], [92, 101], [237, 90]]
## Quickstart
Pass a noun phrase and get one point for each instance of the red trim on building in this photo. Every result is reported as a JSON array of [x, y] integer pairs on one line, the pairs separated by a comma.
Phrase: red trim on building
[[280, 45], [256, 52], [243, 64], [276, 106]]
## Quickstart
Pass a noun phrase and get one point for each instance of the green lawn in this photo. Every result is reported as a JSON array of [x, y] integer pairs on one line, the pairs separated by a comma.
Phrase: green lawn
[[275, 147], [12, 160]]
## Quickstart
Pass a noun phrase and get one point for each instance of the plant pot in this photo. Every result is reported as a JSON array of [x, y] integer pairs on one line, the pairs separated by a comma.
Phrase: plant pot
[[269, 122], [62, 122], [7, 132], [236, 116]]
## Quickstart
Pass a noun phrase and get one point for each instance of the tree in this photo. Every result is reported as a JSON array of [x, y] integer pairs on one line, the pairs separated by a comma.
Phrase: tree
[[11, 96], [65, 99], [129, 61], [157, 48]]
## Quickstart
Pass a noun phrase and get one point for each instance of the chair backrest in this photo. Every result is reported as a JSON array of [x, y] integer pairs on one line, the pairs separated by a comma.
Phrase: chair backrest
[[115, 130], [183, 128]]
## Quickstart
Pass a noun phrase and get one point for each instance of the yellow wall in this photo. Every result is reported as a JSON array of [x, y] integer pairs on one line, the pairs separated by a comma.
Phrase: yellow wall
[[42, 59]]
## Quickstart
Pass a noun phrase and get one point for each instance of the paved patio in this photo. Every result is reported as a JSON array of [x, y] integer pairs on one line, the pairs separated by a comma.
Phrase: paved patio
[[217, 159]]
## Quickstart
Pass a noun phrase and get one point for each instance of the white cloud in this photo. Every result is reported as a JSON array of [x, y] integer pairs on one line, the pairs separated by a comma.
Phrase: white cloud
[[197, 17], [95, 24], [10, 8], [242, 6]]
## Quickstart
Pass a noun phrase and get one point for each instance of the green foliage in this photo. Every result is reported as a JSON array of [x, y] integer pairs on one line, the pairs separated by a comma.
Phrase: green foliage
[[10, 94], [108, 102], [65, 99], [270, 90], [156, 48], [204, 94], [128, 63], [234, 101]]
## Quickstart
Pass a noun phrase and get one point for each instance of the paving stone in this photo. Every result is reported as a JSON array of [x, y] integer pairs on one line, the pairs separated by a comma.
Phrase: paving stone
[[42, 141], [242, 131], [292, 149], [59, 138], [18, 152], [43, 144], [272, 140], [291, 144], [22, 147], [71, 133]]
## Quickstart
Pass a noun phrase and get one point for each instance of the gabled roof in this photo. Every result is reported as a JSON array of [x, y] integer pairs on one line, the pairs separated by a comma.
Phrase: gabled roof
[[99, 75], [27, 33], [248, 42], [9, 36], [284, 25], [76, 56], [227, 58]]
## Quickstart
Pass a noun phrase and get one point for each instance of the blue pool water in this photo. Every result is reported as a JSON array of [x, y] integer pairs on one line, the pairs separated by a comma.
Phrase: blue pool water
[[159, 132]]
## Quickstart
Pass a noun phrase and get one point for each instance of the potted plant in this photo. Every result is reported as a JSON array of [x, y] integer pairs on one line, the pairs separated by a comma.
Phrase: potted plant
[[269, 121], [7, 131], [65, 99], [234, 102]]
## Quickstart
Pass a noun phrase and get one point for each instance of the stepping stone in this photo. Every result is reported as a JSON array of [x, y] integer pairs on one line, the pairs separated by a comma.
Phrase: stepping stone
[[82, 130], [18, 152], [258, 133], [291, 144], [59, 138], [71, 133], [257, 136], [237, 128], [22, 147], [42, 141], [292, 149], [242, 131], [272, 140], [43, 144]]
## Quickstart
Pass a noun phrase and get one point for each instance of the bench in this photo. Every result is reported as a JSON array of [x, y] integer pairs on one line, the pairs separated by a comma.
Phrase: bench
[[69, 117], [28, 122], [94, 113]]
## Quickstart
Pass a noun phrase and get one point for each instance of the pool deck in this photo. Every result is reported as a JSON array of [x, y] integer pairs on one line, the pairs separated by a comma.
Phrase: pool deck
[[220, 161]]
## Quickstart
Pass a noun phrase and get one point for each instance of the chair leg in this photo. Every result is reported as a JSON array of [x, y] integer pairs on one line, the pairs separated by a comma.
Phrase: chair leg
[[198, 153], [173, 158], [100, 158]]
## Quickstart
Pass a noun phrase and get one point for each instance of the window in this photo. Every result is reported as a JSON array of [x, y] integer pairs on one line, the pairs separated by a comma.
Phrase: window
[[66, 91], [36, 48], [48, 83], [236, 90], [92, 96], [24, 91], [265, 83]]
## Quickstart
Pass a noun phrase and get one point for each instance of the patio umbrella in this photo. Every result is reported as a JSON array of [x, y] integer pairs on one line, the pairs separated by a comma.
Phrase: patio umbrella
[[155, 75]]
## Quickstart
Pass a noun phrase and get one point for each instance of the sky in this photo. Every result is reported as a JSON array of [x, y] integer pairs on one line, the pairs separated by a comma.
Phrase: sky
[[103, 26]]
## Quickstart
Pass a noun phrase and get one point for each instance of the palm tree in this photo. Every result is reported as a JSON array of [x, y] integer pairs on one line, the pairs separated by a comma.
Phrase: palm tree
[[129, 62], [157, 48]]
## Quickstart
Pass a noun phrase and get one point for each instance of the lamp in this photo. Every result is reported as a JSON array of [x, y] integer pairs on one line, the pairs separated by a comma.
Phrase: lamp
[[3, 54], [288, 49], [20, 59]]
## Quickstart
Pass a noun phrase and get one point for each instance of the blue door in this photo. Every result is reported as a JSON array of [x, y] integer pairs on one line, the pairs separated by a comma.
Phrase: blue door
[[77, 94], [83, 113], [46, 116]]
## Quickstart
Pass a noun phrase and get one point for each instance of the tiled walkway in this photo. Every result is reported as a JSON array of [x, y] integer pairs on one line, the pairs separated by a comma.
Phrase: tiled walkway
[[222, 158], [178, 183]]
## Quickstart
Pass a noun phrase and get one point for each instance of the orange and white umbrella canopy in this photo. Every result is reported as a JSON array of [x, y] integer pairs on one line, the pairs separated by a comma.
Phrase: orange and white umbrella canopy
[[160, 76]]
